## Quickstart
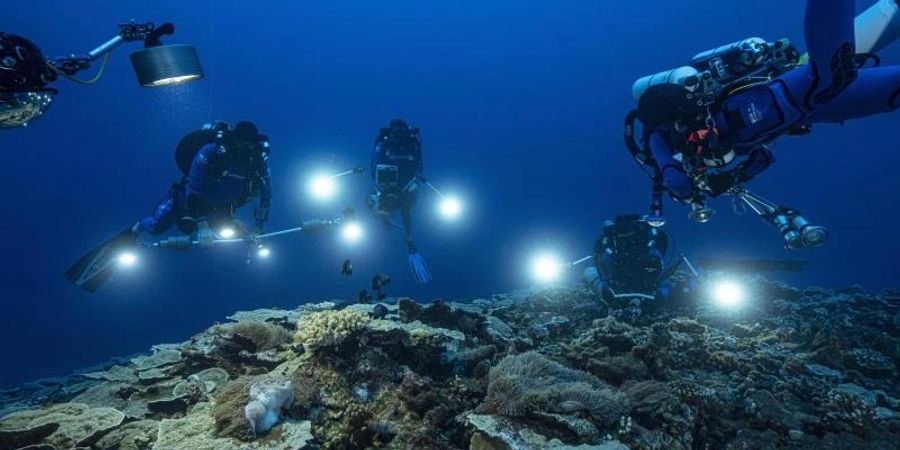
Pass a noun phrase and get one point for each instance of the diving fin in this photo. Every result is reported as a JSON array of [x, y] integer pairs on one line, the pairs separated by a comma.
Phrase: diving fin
[[419, 268], [95, 267]]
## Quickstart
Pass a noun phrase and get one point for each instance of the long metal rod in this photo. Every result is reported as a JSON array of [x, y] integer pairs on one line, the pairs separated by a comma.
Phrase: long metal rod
[[690, 266], [581, 261], [436, 191], [105, 48], [279, 233]]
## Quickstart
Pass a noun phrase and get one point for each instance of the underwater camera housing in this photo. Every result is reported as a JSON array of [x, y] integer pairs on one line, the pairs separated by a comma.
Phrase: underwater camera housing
[[25, 73], [387, 176], [24, 76], [18, 109]]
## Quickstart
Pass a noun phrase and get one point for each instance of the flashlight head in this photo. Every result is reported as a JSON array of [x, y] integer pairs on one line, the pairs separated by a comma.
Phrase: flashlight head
[[352, 232], [226, 233], [323, 187], [450, 207], [728, 294], [546, 268], [127, 259]]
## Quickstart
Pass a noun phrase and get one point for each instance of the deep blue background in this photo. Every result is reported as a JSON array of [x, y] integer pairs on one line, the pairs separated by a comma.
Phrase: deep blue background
[[520, 103]]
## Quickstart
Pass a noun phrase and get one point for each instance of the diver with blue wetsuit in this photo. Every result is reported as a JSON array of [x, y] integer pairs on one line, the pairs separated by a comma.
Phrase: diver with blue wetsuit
[[731, 102], [224, 167], [397, 171]]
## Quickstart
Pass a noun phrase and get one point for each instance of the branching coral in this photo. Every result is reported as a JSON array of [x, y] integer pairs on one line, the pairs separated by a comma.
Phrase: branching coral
[[329, 328], [530, 382]]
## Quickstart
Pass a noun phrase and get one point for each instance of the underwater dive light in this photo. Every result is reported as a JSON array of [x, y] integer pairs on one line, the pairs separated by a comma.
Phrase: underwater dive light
[[352, 232], [323, 187], [450, 207], [166, 65], [155, 65], [263, 252], [127, 259], [728, 293], [227, 233], [547, 268]]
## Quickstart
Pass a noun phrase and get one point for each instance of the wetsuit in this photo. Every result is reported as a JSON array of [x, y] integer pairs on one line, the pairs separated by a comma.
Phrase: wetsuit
[[403, 153], [629, 256], [829, 89], [219, 182]]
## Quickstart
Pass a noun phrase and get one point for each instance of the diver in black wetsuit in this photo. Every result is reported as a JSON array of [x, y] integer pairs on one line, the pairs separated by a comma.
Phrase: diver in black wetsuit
[[397, 170], [629, 259]]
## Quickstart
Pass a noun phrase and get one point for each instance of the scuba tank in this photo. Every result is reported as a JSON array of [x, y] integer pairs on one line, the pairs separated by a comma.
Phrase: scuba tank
[[877, 27], [686, 76], [723, 68], [191, 143]]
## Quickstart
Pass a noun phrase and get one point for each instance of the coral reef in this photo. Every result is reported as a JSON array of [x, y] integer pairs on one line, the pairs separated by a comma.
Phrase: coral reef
[[530, 383], [329, 328], [267, 399], [540, 369]]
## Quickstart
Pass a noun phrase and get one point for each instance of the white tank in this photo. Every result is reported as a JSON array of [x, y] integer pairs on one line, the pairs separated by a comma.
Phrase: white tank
[[878, 27], [686, 76]]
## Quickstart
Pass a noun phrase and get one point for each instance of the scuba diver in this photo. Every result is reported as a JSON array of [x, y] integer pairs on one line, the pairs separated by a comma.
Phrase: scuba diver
[[25, 75], [223, 167], [629, 261], [397, 169], [707, 125]]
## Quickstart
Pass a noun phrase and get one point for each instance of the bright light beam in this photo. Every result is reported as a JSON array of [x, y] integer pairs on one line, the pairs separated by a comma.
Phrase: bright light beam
[[547, 268], [323, 187], [728, 294], [127, 259], [263, 252], [450, 207], [226, 233], [352, 232]]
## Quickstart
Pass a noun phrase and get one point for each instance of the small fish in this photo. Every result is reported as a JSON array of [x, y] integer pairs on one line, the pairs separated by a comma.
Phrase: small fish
[[347, 268]]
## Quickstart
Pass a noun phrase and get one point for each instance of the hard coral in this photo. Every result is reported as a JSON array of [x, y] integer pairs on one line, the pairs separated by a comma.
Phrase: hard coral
[[329, 328]]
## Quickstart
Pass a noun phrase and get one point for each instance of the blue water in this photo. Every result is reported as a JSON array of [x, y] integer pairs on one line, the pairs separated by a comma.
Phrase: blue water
[[520, 105]]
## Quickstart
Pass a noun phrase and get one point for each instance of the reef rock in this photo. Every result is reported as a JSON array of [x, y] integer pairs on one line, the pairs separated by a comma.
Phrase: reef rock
[[548, 368], [497, 433], [76, 423], [196, 431]]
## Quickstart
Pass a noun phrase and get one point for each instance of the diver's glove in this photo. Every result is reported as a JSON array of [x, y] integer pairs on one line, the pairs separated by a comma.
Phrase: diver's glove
[[205, 235]]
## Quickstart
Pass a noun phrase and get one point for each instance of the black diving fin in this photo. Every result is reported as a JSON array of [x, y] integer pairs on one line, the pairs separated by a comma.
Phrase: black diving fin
[[95, 267]]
